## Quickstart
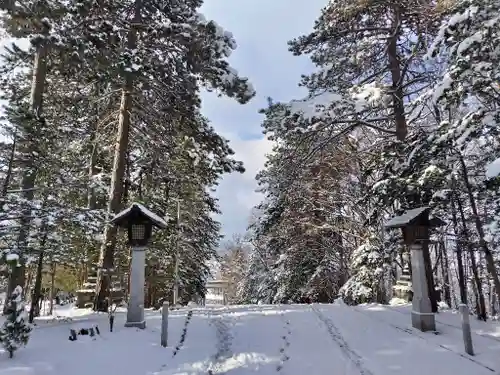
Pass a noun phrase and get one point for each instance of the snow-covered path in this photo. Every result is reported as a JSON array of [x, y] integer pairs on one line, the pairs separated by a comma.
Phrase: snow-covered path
[[321, 339], [267, 340], [316, 338], [442, 349], [250, 340], [388, 344]]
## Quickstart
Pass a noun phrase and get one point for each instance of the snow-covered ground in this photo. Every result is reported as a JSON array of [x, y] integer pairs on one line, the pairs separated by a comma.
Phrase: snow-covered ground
[[279, 340]]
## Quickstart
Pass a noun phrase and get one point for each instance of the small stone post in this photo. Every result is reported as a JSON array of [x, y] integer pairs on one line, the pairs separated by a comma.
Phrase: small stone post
[[464, 313], [164, 324], [135, 311]]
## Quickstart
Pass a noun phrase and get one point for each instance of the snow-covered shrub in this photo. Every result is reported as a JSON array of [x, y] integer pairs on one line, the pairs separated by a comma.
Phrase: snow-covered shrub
[[368, 269], [15, 331]]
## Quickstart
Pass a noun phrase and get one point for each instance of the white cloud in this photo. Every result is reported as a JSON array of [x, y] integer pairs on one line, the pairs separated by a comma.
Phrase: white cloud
[[252, 152], [237, 192]]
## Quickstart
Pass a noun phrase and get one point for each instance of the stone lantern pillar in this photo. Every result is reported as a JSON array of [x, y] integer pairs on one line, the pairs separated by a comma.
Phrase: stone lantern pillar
[[138, 221], [415, 226]]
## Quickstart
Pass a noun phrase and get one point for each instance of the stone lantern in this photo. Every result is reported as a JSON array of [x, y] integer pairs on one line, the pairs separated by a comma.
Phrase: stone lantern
[[415, 226], [139, 222]]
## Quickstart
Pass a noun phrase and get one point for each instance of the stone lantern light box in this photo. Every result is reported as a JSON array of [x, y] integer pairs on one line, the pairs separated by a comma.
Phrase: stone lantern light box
[[139, 222]]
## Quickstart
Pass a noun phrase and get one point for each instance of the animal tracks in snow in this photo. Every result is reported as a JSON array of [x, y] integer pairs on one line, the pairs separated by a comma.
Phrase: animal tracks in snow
[[184, 333], [284, 357]]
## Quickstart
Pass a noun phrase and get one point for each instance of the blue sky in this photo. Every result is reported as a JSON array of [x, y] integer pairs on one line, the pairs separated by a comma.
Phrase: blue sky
[[261, 29]]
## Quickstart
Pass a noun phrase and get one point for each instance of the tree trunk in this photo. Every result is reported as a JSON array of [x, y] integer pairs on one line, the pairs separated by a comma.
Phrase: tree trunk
[[106, 260], [446, 275], [477, 309], [397, 78], [5, 187], [493, 302], [480, 301], [51, 294], [34, 311], [430, 279], [490, 262], [37, 288], [460, 265], [127, 183], [30, 171]]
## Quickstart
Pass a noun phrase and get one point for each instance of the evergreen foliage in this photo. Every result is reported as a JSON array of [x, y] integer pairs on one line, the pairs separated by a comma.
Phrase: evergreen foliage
[[401, 112], [15, 330], [101, 69]]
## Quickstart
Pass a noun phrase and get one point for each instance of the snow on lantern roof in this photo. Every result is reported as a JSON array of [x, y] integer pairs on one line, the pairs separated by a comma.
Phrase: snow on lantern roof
[[407, 218], [136, 210], [411, 217]]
